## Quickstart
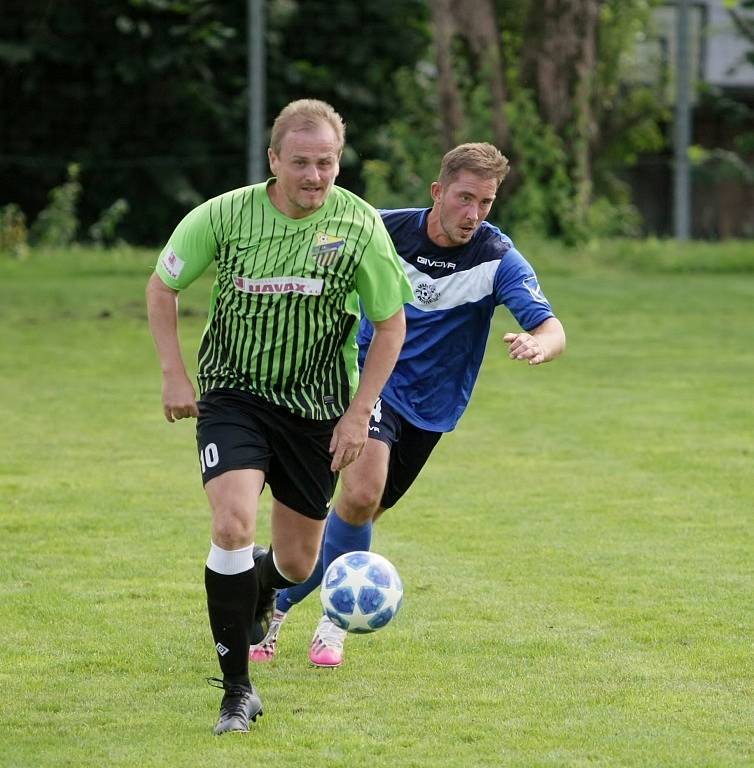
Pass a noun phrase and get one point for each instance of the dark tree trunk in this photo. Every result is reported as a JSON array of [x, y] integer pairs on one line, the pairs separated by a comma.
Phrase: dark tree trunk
[[443, 30], [477, 21], [559, 66]]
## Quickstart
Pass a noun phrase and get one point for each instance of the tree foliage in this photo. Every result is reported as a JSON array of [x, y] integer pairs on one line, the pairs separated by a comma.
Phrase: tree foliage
[[543, 81], [148, 99]]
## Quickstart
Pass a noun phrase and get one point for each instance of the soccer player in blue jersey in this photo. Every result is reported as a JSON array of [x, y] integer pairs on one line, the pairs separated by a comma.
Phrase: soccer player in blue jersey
[[461, 268]]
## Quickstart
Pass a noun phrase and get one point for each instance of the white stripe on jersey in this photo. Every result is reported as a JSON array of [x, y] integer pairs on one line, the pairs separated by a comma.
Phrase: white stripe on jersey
[[468, 285]]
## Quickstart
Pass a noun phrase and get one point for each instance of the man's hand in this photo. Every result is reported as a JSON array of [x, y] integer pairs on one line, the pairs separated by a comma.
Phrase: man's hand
[[348, 439], [524, 346], [351, 432], [544, 343], [178, 398]]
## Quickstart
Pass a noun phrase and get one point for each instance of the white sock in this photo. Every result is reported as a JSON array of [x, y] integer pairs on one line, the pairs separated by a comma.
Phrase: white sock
[[229, 562]]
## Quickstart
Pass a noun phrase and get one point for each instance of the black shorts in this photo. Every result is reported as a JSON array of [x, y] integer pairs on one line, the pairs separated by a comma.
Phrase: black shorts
[[410, 447], [237, 430]]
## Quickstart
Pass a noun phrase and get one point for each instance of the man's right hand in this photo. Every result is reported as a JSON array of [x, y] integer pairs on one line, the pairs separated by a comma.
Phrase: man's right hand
[[178, 398]]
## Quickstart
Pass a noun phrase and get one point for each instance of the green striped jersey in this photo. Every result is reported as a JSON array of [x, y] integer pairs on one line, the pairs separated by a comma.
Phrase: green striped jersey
[[284, 305]]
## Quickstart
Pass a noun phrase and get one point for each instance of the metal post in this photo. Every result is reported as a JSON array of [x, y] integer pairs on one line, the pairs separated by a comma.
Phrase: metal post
[[682, 186], [256, 154]]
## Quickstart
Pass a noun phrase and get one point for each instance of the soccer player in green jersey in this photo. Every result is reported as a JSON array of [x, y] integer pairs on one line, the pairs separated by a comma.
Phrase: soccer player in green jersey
[[281, 400]]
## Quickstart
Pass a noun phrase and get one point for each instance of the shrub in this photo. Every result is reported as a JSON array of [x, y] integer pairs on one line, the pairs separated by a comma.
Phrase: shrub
[[104, 229], [57, 224], [13, 232]]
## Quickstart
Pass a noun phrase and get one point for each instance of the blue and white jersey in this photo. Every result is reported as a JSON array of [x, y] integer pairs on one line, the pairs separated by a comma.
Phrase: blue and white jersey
[[456, 291]]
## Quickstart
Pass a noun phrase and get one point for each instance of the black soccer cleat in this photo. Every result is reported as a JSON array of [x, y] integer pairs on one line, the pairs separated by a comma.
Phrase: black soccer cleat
[[265, 601], [240, 704]]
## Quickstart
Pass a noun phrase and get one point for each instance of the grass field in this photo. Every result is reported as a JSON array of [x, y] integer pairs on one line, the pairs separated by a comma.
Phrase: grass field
[[578, 557]]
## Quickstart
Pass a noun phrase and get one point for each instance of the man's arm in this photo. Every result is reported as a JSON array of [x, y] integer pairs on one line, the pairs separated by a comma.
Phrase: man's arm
[[351, 431], [542, 344], [178, 394]]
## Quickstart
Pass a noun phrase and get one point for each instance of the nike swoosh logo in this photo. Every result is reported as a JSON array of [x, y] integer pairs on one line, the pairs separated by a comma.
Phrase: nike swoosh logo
[[241, 248]]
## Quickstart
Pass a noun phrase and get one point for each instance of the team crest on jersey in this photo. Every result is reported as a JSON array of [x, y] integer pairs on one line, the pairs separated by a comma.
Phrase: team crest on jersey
[[426, 293], [326, 248]]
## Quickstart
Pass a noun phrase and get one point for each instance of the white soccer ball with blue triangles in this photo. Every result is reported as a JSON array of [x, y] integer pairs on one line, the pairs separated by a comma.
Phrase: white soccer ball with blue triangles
[[361, 592]]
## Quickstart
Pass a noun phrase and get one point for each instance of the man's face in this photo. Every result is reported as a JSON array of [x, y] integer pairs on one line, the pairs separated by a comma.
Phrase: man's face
[[460, 208], [306, 168]]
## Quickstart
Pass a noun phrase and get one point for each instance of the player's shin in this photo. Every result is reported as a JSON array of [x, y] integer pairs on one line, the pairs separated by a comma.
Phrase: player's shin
[[231, 599]]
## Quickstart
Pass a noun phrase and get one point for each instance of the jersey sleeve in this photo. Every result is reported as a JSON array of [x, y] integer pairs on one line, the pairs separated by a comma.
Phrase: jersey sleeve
[[516, 287], [381, 282], [190, 250]]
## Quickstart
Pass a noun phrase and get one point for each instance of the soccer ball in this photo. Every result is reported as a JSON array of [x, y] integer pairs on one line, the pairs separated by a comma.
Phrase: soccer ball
[[361, 592]]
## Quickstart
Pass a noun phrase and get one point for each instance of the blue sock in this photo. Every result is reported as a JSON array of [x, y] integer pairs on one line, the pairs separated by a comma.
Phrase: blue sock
[[342, 537]]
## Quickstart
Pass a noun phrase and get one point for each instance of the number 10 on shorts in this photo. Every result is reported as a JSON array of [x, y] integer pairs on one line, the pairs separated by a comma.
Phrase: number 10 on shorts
[[208, 456]]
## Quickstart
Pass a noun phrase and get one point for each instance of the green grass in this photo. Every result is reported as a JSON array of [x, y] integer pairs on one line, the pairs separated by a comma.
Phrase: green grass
[[577, 557]]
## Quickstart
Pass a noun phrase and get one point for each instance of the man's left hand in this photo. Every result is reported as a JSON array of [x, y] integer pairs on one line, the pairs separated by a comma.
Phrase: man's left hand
[[348, 439], [524, 346]]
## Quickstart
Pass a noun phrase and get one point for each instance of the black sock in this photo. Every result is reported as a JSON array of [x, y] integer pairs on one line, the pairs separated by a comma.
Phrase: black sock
[[231, 602], [269, 576]]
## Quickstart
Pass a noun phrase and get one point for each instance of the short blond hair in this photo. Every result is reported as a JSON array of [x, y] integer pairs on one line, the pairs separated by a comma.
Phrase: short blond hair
[[481, 158], [306, 113]]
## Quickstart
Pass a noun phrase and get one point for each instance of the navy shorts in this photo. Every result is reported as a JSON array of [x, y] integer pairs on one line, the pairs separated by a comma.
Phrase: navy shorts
[[410, 448], [237, 430]]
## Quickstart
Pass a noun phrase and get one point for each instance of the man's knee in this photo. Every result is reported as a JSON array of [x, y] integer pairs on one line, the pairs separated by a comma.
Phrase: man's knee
[[357, 505], [233, 499], [296, 568], [232, 523]]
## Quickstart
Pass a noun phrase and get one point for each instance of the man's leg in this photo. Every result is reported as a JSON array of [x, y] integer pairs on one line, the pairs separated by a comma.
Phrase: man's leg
[[351, 521], [232, 590], [287, 596], [391, 467], [293, 554], [291, 596], [349, 529], [295, 542]]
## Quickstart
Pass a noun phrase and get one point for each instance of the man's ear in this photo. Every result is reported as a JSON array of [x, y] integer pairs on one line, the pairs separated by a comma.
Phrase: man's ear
[[436, 191]]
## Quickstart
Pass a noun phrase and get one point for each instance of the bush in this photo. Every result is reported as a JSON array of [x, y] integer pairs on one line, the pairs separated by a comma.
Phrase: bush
[[103, 230], [13, 233], [57, 224]]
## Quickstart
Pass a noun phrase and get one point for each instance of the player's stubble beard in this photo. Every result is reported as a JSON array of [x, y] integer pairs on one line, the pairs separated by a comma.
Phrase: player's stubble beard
[[455, 234]]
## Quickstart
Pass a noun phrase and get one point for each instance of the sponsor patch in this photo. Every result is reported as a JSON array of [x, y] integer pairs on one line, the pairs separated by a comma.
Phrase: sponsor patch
[[306, 285], [171, 263], [326, 248], [532, 285], [221, 649]]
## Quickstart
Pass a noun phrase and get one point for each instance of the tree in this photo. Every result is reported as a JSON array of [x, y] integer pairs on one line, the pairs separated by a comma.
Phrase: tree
[[539, 79], [148, 97], [475, 21], [145, 96]]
